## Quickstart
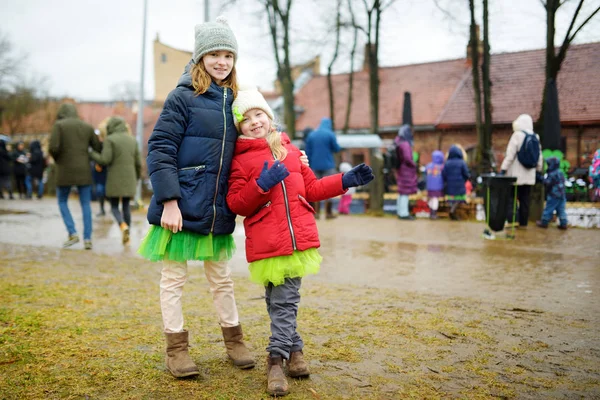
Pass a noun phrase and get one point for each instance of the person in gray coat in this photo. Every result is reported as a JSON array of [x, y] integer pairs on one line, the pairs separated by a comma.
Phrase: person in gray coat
[[120, 153]]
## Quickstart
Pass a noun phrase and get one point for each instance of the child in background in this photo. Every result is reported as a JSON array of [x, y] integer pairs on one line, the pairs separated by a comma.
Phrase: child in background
[[346, 199], [272, 188], [556, 197], [435, 182], [594, 176], [455, 175]]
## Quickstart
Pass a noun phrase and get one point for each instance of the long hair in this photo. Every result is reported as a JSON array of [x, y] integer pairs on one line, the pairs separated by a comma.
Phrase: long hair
[[201, 79], [274, 142]]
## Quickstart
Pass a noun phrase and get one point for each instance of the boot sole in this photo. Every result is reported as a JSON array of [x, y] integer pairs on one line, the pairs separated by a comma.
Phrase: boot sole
[[278, 392], [185, 374], [245, 366], [299, 375]]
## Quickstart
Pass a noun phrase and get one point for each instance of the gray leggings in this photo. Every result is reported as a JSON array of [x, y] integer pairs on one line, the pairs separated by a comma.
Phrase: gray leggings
[[282, 306], [114, 207]]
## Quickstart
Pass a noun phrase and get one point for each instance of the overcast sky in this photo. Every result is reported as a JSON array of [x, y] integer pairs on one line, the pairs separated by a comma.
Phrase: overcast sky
[[86, 46]]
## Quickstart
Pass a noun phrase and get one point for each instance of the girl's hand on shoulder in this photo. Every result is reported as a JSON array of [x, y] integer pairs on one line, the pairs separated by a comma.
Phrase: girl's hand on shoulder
[[171, 216], [304, 158]]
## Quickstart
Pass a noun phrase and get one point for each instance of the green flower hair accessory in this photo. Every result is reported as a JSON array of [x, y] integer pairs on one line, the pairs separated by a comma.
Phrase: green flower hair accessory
[[238, 115]]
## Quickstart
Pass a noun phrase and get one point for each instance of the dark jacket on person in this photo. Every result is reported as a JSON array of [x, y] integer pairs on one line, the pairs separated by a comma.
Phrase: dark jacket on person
[[555, 180], [121, 154], [5, 160], [19, 163], [455, 173], [69, 143], [406, 177], [189, 157], [37, 162], [321, 145]]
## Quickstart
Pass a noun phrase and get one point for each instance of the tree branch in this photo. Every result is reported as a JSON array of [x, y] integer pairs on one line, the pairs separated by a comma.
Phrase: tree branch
[[584, 22]]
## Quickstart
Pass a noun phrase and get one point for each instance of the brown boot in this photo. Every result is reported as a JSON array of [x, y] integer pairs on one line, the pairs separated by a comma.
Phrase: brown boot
[[297, 367], [277, 385], [236, 349], [179, 363]]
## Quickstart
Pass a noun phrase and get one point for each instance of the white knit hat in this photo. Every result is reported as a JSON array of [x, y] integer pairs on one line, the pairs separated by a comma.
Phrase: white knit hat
[[247, 99], [213, 36]]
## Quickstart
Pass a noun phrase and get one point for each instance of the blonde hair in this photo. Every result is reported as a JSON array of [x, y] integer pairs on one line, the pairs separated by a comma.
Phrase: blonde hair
[[201, 79], [274, 141]]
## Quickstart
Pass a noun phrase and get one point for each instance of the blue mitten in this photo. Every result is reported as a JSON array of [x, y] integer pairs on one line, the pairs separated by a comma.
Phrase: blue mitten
[[270, 177], [359, 175]]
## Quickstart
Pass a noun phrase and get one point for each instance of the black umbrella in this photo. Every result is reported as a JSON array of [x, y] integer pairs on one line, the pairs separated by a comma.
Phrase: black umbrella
[[407, 110], [551, 134]]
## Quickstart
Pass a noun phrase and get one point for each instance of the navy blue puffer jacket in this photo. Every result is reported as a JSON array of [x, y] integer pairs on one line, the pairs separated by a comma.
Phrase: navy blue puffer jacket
[[189, 157], [455, 173]]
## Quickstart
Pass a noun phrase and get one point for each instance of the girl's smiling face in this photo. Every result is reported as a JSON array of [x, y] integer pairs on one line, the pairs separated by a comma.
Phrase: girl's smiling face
[[218, 64], [256, 124]]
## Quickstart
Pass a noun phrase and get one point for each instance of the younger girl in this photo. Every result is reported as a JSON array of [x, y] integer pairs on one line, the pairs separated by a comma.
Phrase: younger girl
[[272, 189], [346, 199], [435, 182]]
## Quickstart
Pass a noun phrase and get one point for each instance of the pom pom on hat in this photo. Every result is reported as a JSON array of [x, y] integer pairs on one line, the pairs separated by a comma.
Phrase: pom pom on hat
[[214, 36], [248, 97]]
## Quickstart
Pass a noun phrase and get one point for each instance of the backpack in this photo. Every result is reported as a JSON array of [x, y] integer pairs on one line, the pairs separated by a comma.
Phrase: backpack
[[529, 153]]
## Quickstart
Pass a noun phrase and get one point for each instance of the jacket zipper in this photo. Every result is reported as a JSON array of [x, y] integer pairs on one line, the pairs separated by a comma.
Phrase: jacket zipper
[[287, 213], [197, 168], [212, 228]]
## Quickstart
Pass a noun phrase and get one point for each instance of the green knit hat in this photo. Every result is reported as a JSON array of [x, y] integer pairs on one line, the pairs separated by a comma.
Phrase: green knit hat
[[212, 36]]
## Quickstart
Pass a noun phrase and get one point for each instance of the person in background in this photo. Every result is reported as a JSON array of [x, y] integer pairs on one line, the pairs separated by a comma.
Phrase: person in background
[[271, 187], [69, 143], [20, 166], [320, 147], [346, 198], [511, 166], [121, 155], [407, 171], [37, 165], [594, 176], [435, 182], [5, 171], [556, 196], [455, 175]]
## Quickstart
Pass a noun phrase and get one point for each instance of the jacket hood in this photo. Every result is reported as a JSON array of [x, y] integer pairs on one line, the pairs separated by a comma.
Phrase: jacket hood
[[524, 122], [243, 145], [35, 146], [116, 124], [455, 152], [186, 78], [437, 157], [405, 133], [67, 110], [553, 164], [325, 124]]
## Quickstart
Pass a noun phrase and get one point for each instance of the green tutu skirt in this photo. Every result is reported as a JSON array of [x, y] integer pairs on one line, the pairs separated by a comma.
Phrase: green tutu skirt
[[162, 244], [275, 269]]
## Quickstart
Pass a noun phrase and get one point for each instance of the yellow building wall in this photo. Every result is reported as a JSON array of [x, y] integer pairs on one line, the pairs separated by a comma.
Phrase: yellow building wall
[[169, 64]]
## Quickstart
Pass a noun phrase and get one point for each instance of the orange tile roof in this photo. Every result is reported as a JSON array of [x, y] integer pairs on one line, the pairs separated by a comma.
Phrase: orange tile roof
[[442, 92]]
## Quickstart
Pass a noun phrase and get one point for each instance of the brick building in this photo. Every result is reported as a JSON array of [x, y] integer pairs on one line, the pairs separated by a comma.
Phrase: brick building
[[442, 100]]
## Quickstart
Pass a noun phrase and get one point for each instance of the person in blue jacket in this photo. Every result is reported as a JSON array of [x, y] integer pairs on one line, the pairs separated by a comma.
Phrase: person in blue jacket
[[189, 158], [455, 175], [320, 147]]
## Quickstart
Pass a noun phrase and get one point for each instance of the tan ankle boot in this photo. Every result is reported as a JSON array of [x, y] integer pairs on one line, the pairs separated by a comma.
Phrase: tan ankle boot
[[125, 232], [236, 349], [277, 385], [178, 361], [297, 367]]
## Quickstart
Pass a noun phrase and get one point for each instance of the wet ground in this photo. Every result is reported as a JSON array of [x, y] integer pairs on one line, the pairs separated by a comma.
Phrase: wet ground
[[422, 309], [548, 270]]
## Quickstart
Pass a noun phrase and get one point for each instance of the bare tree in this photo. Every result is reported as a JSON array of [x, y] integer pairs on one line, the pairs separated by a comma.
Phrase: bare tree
[[474, 49], [338, 27], [355, 29], [278, 14], [9, 63], [124, 91], [553, 60], [485, 144]]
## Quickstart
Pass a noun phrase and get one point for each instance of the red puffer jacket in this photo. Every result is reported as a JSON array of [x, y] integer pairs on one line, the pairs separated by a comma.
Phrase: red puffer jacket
[[281, 220]]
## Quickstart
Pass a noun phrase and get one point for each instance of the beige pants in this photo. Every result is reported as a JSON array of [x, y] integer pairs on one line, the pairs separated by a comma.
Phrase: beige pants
[[173, 277]]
